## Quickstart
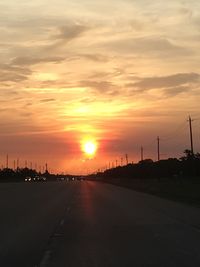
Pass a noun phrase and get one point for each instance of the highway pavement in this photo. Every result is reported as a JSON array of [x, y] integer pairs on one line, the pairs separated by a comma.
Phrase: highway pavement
[[88, 224]]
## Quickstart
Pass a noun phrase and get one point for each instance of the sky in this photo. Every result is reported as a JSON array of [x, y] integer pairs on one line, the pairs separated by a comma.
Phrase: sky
[[118, 73]]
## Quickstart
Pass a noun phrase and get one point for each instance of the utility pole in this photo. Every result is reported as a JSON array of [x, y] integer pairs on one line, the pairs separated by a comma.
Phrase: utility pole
[[7, 161], [127, 159], [158, 147], [14, 165], [121, 161], [17, 163], [191, 136], [142, 153]]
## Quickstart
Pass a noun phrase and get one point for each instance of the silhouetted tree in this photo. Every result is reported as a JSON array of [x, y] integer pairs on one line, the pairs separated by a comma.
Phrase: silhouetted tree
[[188, 155]]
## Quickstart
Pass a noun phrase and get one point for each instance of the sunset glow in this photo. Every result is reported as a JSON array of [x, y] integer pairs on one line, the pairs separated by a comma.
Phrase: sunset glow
[[117, 72], [90, 148]]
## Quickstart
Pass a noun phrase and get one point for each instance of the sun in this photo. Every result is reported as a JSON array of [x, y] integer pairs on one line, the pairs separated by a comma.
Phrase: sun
[[89, 148]]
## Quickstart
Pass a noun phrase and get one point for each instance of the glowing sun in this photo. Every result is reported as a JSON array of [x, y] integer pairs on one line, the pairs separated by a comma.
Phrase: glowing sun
[[89, 148]]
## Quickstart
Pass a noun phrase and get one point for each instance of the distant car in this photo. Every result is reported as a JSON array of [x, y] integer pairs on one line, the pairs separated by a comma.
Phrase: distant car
[[61, 179], [39, 178], [80, 179], [27, 179]]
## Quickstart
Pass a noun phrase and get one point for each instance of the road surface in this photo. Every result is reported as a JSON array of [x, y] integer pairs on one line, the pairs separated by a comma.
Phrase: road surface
[[88, 224]]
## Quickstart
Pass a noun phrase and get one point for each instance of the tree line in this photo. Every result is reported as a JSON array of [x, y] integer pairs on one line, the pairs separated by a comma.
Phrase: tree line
[[186, 166]]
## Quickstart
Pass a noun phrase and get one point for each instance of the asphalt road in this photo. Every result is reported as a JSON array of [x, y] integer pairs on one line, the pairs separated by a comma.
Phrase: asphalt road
[[88, 224]]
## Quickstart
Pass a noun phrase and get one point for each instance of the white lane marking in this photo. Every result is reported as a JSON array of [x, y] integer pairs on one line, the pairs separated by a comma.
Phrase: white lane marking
[[47, 254], [45, 258], [62, 222], [57, 235]]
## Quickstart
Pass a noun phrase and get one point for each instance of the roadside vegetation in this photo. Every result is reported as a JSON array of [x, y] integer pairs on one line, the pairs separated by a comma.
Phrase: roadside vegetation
[[30, 175], [175, 179]]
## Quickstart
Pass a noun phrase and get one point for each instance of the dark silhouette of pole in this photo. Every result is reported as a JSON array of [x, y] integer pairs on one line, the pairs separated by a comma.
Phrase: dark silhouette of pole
[[7, 161], [17, 163], [142, 153], [191, 135], [14, 165], [126, 159], [158, 147]]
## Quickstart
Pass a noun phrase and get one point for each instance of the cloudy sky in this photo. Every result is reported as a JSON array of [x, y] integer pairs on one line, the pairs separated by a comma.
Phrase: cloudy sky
[[118, 72]]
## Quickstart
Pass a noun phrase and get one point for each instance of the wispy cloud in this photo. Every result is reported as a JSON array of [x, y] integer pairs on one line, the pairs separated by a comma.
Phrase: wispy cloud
[[95, 57], [12, 77], [155, 46], [47, 100], [103, 87], [167, 81], [174, 91], [70, 31], [9, 73], [35, 60]]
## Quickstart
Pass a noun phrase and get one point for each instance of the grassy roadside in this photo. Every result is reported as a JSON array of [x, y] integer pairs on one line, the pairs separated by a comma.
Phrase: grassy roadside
[[185, 190]]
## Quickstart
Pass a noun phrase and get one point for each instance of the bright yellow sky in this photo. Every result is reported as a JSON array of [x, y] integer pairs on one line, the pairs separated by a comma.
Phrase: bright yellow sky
[[118, 72]]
